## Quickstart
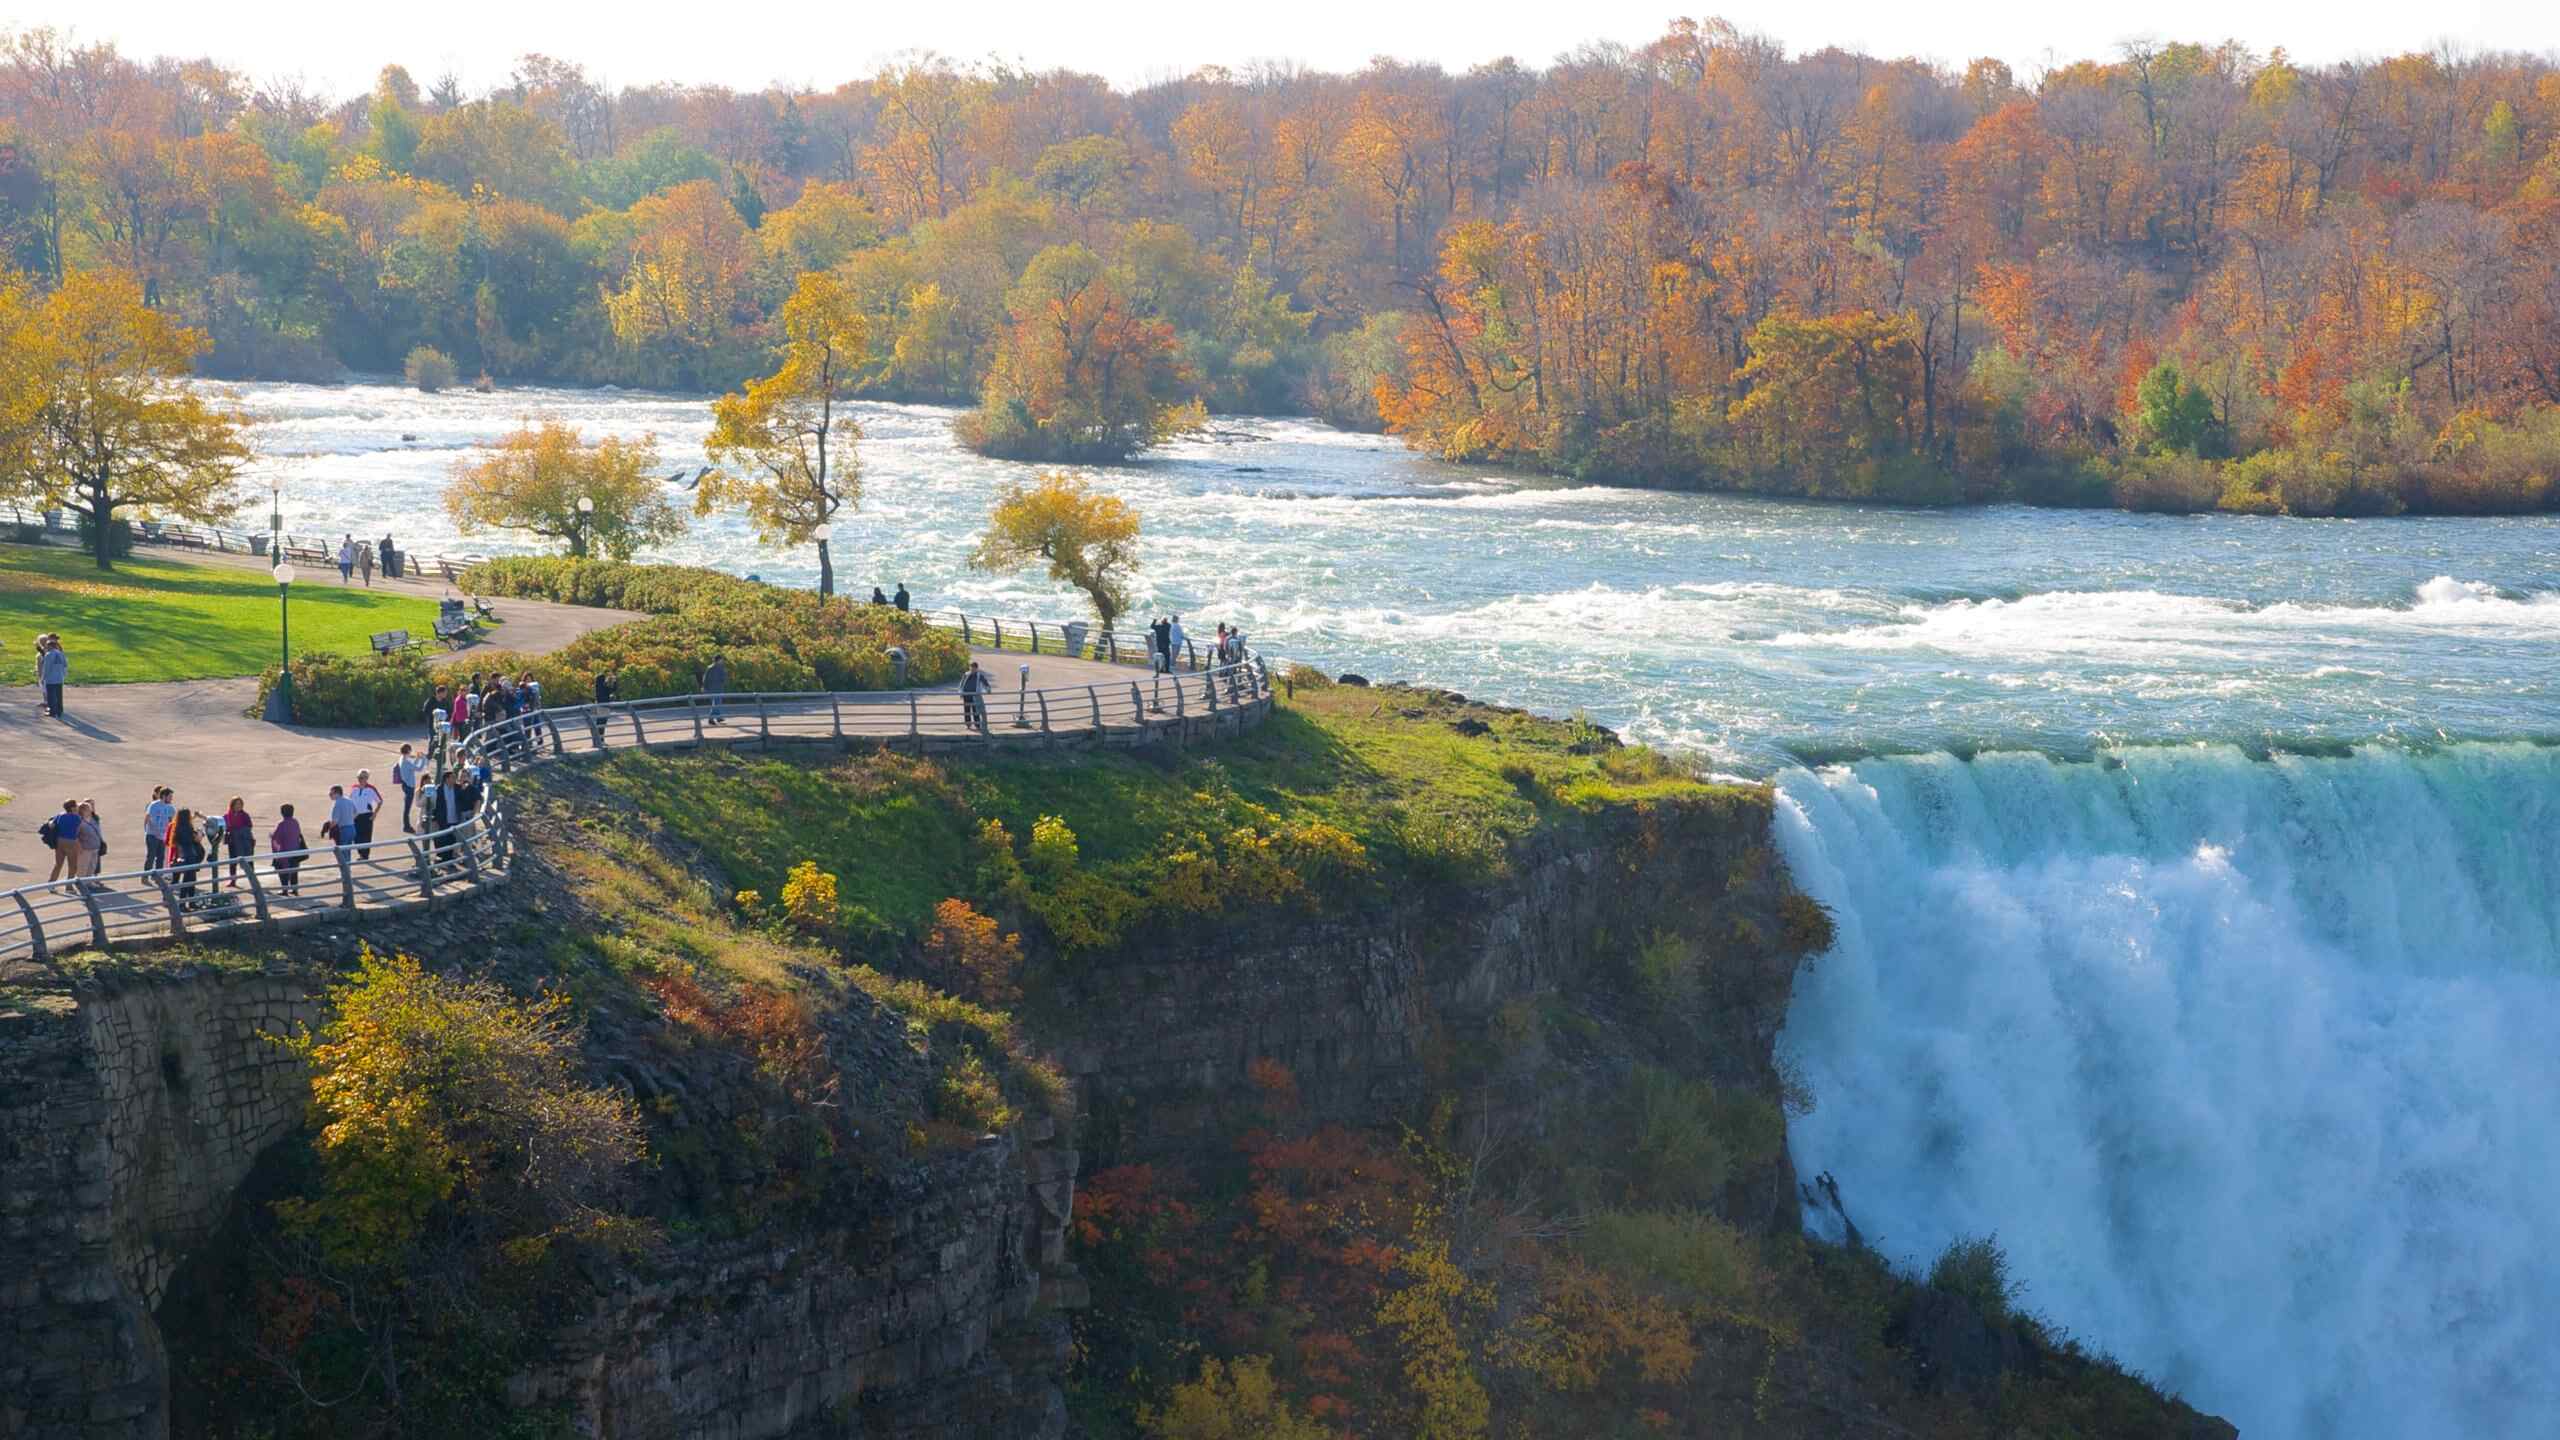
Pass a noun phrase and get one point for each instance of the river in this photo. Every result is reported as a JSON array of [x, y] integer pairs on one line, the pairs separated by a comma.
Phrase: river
[[2198, 878]]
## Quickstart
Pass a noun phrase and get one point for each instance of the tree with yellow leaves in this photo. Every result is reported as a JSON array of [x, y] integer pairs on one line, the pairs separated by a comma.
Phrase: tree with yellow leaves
[[1089, 540], [691, 259], [788, 433], [535, 478], [96, 415], [1230, 1402]]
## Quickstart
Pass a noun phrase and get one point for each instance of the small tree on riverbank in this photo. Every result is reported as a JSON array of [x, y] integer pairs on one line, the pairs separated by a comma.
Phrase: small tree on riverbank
[[96, 416], [1088, 540], [789, 431], [535, 478], [1080, 374]]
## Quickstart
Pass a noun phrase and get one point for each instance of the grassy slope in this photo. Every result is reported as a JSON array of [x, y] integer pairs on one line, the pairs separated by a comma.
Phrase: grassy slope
[[153, 619], [1377, 764]]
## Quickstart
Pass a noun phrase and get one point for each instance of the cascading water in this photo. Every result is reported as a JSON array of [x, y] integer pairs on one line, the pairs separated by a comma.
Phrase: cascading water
[[2249, 1063]]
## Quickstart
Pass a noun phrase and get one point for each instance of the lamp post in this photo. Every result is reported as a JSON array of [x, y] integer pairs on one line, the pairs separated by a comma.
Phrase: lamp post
[[275, 522], [586, 518], [826, 567], [280, 699]]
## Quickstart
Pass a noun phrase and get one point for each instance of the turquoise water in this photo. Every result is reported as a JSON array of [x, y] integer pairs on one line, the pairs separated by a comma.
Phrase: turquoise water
[[1758, 632], [2195, 877]]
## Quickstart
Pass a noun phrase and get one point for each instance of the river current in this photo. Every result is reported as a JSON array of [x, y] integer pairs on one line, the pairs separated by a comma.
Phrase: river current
[[2198, 878]]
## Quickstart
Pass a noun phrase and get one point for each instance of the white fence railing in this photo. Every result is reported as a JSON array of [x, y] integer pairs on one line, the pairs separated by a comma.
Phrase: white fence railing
[[40, 922]]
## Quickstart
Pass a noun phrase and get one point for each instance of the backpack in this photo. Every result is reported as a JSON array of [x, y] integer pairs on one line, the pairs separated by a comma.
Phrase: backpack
[[47, 834]]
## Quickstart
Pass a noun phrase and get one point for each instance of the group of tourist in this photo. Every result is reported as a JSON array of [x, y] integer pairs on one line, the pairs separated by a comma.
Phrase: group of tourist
[[216, 851], [485, 700], [357, 558]]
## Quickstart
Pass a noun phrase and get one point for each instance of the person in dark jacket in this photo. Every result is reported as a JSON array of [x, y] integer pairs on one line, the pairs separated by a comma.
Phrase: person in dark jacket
[[186, 852], [877, 598], [901, 597], [715, 683]]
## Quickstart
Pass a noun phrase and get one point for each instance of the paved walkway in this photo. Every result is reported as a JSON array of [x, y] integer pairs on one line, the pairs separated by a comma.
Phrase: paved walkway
[[116, 742]]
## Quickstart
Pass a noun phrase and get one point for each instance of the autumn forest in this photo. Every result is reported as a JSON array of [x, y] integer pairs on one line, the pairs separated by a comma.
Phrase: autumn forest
[[2176, 276]]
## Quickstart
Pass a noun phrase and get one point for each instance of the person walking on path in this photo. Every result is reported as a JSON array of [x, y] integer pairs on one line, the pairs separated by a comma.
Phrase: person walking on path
[[364, 564], [973, 697], [341, 828], [155, 829], [347, 560], [900, 599], [604, 697], [439, 707], [62, 832], [239, 840], [715, 683], [93, 845], [283, 844], [404, 773], [390, 559], [186, 852], [368, 803], [54, 669]]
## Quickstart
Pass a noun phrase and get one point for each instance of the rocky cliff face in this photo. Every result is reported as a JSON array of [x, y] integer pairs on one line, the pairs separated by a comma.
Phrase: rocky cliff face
[[1366, 1014], [128, 1115], [133, 1111]]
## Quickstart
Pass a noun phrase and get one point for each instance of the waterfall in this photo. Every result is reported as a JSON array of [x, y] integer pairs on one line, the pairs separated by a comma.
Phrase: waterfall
[[2250, 1063]]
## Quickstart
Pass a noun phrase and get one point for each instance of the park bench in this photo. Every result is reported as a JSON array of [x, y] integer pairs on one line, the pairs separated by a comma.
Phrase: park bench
[[391, 642], [456, 631]]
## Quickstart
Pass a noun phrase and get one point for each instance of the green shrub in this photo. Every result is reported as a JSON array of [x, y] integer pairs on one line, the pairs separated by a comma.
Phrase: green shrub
[[1978, 1270], [119, 536], [1684, 1251], [1053, 847], [1447, 846], [429, 369], [1804, 924], [1666, 970], [775, 639], [1688, 1138], [354, 691]]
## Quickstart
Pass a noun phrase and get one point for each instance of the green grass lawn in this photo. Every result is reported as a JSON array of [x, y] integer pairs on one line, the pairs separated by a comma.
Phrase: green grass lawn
[[154, 619], [1390, 768]]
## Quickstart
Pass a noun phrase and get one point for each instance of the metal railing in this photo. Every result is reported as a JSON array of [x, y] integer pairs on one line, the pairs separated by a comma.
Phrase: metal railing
[[303, 549], [1075, 639], [39, 922]]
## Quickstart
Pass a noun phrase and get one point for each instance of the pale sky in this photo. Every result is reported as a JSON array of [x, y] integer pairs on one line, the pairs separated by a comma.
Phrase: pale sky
[[821, 43]]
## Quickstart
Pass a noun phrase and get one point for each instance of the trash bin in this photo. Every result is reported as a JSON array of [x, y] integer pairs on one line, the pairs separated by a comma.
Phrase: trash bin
[[1075, 638]]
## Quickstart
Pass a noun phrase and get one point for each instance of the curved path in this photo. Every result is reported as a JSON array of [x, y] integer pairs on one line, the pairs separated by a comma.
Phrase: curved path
[[116, 742], [1088, 703]]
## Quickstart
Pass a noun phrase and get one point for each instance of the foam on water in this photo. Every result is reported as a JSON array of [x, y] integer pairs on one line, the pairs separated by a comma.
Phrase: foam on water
[[2248, 1063]]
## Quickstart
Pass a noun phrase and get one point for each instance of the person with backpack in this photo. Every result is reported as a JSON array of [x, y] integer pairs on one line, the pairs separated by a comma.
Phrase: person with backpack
[[186, 852], [155, 828], [283, 844], [60, 833], [404, 773], [340, 828]]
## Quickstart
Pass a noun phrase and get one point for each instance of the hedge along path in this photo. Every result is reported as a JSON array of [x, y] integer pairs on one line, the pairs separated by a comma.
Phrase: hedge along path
[[1111, 707]]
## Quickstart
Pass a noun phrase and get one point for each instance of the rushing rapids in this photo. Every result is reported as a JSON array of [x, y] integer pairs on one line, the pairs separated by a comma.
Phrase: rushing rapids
[[2239, 1046], [2249, 1063]]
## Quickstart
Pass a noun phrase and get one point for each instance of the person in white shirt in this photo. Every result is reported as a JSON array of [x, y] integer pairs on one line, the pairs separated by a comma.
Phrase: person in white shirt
[[368, 803], [1174, 650], [405, 775]]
